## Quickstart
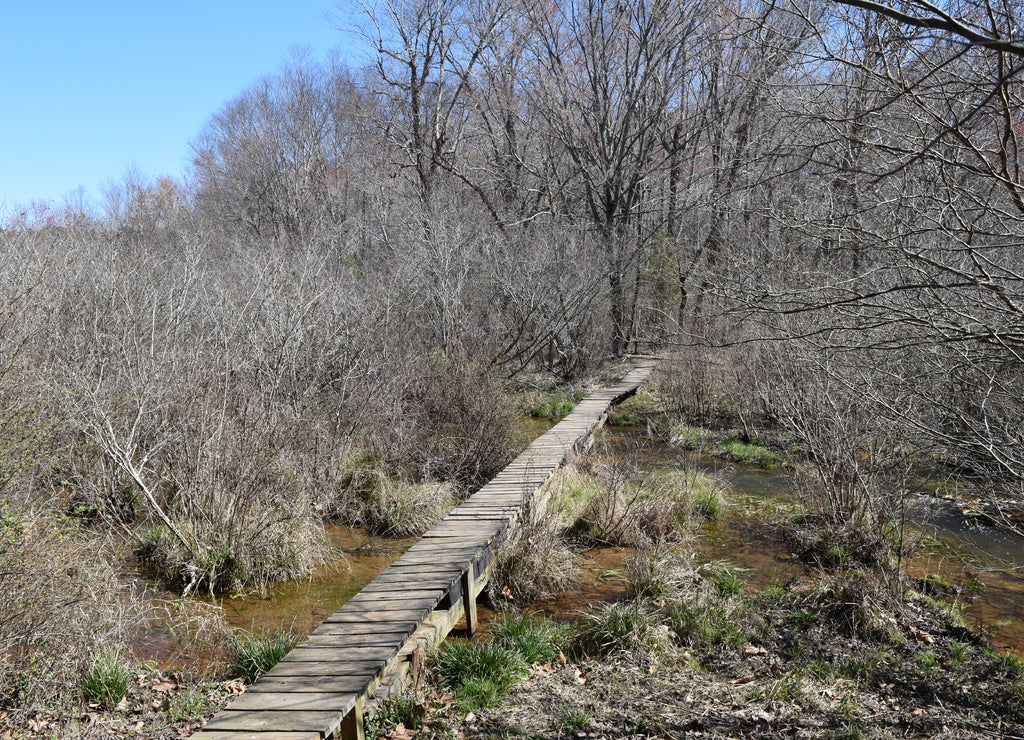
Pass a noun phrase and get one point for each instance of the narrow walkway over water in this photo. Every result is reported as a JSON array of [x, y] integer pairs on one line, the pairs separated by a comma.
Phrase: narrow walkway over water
[[373, 643]]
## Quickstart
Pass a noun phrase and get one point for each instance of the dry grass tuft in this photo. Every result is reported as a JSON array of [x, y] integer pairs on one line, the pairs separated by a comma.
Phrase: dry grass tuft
[[62, 602], [605, 504], [533, 564]]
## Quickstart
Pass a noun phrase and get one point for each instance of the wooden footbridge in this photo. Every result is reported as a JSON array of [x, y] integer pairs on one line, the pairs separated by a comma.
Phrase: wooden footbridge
[[372, 645]]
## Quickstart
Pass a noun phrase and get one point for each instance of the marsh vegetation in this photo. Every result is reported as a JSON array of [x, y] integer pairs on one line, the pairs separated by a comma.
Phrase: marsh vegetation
[[813, 210]]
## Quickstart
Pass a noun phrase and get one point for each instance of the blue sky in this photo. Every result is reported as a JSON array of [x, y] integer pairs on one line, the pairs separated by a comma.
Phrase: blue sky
[[91, 89]]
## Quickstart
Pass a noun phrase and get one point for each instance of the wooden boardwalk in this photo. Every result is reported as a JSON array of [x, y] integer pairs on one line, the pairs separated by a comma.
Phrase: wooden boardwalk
[[374, 641]]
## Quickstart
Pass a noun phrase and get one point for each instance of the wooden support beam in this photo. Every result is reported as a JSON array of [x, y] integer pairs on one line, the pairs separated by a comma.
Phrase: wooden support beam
[[469, 593], [352, 727]]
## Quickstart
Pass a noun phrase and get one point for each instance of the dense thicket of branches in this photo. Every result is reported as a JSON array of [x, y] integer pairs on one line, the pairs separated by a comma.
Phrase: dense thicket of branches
[[518, 185]]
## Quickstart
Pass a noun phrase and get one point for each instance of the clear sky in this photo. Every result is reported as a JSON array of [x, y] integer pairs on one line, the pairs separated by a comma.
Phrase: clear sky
[[91, 89]]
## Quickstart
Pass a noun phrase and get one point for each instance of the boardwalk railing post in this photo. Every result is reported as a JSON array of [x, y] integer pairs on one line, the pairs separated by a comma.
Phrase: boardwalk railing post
[[469, 600], [352, 726]]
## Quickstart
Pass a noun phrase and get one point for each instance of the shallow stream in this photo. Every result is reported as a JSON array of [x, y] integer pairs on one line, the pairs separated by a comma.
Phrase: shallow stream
[[984, 564], [964, 554]]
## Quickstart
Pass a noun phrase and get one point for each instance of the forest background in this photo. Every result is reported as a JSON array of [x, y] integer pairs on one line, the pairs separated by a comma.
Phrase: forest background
[[821, 201]]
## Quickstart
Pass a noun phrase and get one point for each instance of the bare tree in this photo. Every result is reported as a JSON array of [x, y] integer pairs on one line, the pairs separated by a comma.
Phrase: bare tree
[[908, 248], [272, 163], [606, 84]]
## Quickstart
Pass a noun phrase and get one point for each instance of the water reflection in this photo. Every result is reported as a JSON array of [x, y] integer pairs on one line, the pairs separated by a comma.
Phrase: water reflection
[[966, 555], [984, 565]]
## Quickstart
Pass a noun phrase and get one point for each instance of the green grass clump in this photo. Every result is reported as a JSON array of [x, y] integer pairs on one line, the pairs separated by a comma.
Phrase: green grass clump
[[787, 690], [703, 623], [723, 577], [535, 640], [692, 438], [748, 454], [478, 673], [656, 573], [254, 655], [610, 628], [572, 488], [552, 405], [729, 447], [106, 680], [635, 410], [865, 665], [188, 704], [707, 502]]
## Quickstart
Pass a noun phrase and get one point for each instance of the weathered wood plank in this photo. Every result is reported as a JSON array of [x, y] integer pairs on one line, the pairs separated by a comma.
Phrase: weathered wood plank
[[413, 578], [368, 653], [325, 723], [444, 554], [397, 603], [314, 684], [288, 701], [298, 721], [342, 638], [370, 628], [377, 616], [290, 669], [369, 593], [441, 569], [205, 734]]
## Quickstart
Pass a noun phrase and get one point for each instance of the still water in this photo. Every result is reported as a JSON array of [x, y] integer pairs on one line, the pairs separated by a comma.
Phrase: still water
[[984, 565]]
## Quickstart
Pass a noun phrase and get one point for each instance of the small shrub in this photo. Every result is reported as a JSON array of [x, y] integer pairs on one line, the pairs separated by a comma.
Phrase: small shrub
[[748, 454], [860, 604], [106, 680], [535, 640], [252, 655], [457, 423], [831, 545]]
